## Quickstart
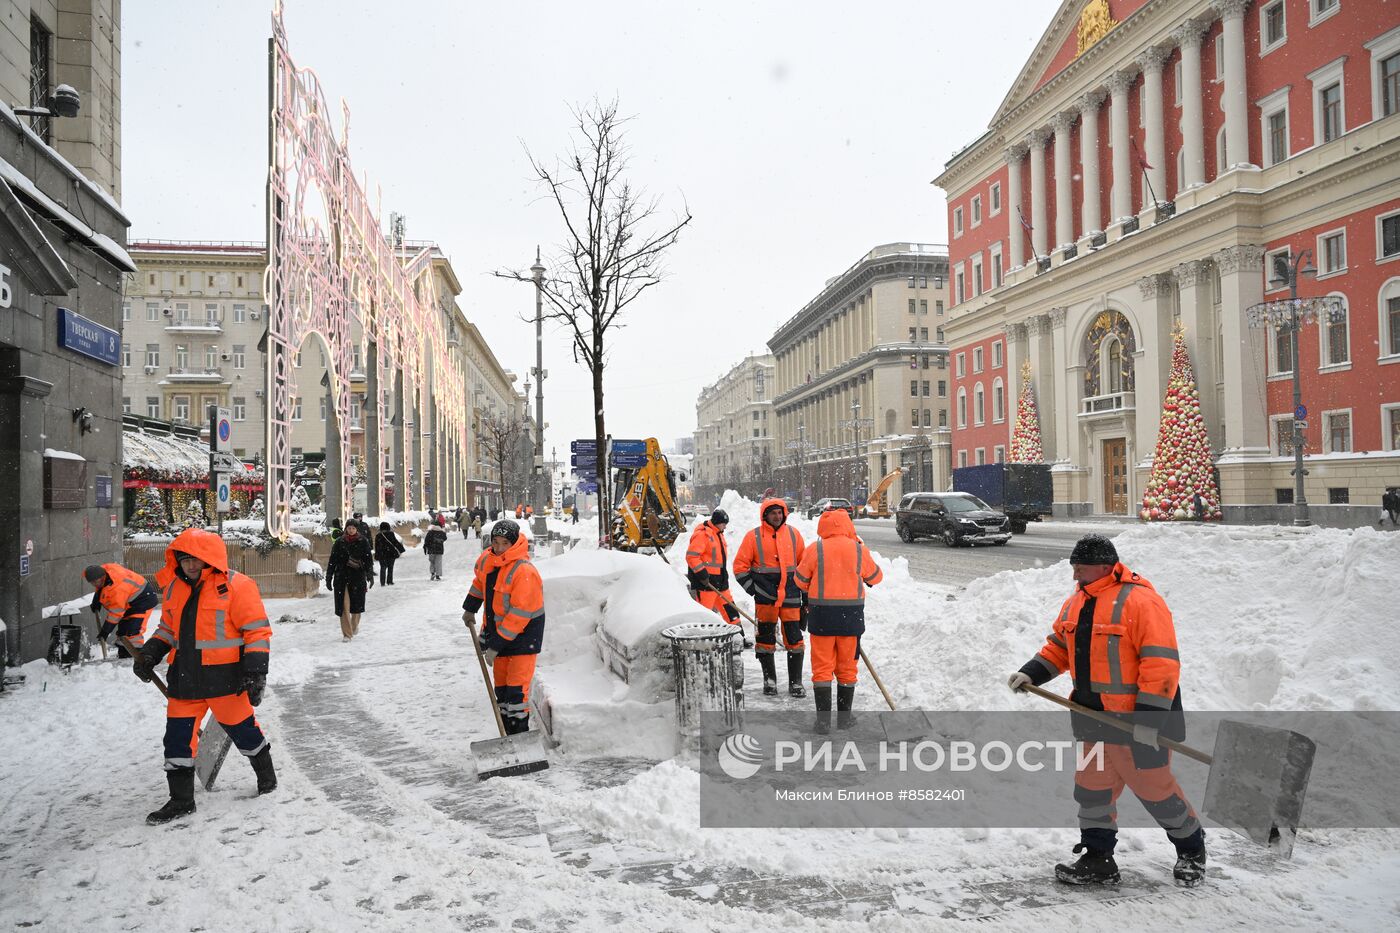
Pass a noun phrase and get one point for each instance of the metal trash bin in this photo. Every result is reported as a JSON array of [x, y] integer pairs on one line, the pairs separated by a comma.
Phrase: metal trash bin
[[709, 672], [68, 644]]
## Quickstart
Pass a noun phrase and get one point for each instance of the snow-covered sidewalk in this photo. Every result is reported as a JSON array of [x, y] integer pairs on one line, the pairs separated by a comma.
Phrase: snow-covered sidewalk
[[379, 822]]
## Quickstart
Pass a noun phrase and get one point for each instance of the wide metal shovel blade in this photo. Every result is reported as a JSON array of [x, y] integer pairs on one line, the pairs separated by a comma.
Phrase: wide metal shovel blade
[[1257, 782], [510, 755], [905, 725]]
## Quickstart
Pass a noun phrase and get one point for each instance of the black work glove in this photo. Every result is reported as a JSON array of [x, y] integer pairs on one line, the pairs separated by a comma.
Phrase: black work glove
[[143, 665], [329, 584], [802, 618], [731, 613], [253, 685]]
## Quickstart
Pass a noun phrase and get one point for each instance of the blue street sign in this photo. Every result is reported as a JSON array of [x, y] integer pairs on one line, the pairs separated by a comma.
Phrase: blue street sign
[[1301, 412], [583, 460], [583, 445], [629, 447], [89, 338], [588, 488], [629, 461], [24, 565]]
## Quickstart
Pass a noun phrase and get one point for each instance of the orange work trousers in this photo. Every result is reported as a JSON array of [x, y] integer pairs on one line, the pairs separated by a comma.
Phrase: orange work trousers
[[233, 712], [1099, 782], [834, 654], [775, 623], [715, 602], [512, 674]]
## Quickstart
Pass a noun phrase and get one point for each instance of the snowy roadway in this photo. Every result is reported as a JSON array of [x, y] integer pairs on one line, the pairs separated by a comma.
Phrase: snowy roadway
[[379, 822]]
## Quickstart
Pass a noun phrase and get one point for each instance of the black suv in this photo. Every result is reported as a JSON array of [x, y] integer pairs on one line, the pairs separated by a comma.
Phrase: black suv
[[955, 517]]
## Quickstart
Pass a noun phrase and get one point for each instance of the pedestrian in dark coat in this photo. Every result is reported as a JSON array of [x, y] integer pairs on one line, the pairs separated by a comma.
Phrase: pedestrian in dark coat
[[348, 575], [336, 530], [387, 548], [434, 543]]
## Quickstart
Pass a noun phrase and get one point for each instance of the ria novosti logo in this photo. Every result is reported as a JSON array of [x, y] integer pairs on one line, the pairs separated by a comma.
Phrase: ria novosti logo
[[740, 756]]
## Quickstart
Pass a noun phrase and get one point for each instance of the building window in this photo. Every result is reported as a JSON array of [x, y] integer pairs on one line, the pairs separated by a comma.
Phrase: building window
[[153, 355], [1283, 352], [182, 311], [1321, 9], [126, 311], [961, 368], [962, 458], [923, 361], [180, 407], [239, 355], [240, 313], [211, 356], [1337, 431], [979, 405], [240, 408], [923, 306], [1338, 495], [152, 406], [913, 417], [211, 313], [1336, 350], [943, 417], [1220, 165], [997, 275], [995, 199], [296, 408], [1273, 27], [923, 281], [928, 418], [976, 210], [914, 388], [1275, 136], [998, 401], [152, 311], [1220, 56], [912, 306], [912, 281], [977, 360], [1329, 103], [942, 388], [924, 388], [977, 274], [1390, 318], [981, 456], [1283, 436], [938, 305], [40, 76], [957, 221], [1390, 426], [182, 357], [1388, 236], [939, 332], [913, 334], [958, 291], [1276, 268], [1388, 84], [1283, 496], [999, 453], [126, 356], [1332, 253], [923, 333], [996, 354], [126, 404], [962, 408]]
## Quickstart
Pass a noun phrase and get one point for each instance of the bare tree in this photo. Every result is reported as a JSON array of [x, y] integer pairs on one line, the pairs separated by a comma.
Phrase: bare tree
[[500, 436], [611, 254]]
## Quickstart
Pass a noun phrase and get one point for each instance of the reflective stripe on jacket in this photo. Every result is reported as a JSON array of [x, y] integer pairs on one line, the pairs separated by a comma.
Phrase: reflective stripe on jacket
[[834, 572], [126, 594], [766, 563], [1133, 660], [510, 588], [231, 633], [707, 554]]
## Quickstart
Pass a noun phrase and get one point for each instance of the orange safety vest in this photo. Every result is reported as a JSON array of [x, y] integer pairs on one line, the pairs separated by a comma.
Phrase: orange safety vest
[[513, 593], [124, 586], [1133, 660], [834, 572], [230, 634], [766, 563], [706, 554]]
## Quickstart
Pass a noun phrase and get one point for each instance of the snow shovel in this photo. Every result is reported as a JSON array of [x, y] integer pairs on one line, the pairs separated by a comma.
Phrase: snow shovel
[[748, 643], [1258, 774], [896, 728], [214, 743], [509, 755]]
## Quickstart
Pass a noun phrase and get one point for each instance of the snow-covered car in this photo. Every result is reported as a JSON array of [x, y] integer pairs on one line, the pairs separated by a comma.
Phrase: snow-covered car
[[823, 505], [953, 517]]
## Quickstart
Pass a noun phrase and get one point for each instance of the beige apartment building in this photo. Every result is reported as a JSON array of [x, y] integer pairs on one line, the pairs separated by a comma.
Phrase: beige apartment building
[[491, 393], [862, 379], [193, 321], [734, 444]]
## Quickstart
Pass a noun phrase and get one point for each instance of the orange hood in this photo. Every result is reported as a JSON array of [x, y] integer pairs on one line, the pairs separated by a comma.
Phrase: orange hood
[[520, 550], [836, 523], [768, 504], [195, 542]]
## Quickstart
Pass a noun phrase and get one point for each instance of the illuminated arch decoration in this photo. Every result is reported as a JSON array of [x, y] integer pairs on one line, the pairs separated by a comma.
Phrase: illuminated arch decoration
[[330, 267], [1108, 324]]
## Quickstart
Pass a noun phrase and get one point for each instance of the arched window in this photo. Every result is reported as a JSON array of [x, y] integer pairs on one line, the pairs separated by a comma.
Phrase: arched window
[[1334, 336], [962, 408], [1389, 305], [1112, 357], [998, 400], [979, 404], [1108, 345], [889, 420]]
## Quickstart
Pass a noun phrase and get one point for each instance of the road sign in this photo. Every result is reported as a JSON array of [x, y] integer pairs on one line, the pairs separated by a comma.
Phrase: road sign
[[588, 488], [1301, 412], [86, 336], [582, 445], [1301, 424], [224, 492], [629, 461], [583, 460], [221, 431], [629, 447], [24, 565]]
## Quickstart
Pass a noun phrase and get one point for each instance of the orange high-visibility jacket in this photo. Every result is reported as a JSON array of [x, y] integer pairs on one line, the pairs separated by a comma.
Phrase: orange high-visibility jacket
[[127, 595], [835, 572], [216, 627], [1133, 661], [513, 593], [707, 555], [766, 563]]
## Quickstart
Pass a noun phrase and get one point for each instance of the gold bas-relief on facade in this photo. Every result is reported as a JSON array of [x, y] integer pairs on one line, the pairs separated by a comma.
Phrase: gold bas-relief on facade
[[1094, 23]]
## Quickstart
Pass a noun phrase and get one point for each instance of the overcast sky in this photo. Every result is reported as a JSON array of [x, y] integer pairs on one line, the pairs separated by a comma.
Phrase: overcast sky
[[799, 134]]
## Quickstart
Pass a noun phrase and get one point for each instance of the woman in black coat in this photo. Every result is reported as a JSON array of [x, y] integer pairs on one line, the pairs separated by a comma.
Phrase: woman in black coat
[[350, 573], [387, 548]]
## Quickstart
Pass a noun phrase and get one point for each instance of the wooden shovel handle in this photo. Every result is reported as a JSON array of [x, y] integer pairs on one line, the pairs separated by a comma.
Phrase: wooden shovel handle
[[1115, 722], [486, 677], [878, 682], [135, 652]]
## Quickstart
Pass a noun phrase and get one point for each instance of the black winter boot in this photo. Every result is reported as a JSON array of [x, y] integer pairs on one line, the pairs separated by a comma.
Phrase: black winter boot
[[795, 688], [262, 767], [770, 673], [1093, 867], [845, 696], [181, 802], [821, 693], [1190, 868]]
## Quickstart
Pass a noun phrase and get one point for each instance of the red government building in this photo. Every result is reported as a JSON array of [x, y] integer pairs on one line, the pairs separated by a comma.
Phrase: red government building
[[1159, 162]]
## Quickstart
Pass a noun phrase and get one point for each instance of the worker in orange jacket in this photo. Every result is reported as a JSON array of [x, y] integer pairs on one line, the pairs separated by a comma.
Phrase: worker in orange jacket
[[707, 566], [834, 573], [215, 630], [765, 566], [122, 600], [1116, 638], [510, 589]]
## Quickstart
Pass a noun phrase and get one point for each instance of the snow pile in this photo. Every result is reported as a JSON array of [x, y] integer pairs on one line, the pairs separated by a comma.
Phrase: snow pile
[[310, 568], [51, 454]]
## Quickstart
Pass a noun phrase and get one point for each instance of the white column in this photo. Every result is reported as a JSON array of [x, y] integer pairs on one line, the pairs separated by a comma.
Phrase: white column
[[1151, 62], [1039, 236], [1235, 99], [1118, 85], [1015, 232], [1066, 395], [1089, 220], [1188, 37], [1064, 185], [1246, 414]]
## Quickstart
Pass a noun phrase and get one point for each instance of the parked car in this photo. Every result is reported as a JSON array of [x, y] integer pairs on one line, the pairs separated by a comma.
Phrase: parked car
[[822, 505], [953, 517]]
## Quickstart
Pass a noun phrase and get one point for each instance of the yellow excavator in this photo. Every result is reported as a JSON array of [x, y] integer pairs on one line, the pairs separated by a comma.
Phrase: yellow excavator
[[646, 514], [879, 504]]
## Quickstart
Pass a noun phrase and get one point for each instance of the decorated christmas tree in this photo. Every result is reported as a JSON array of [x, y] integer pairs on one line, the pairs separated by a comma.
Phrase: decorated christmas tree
[[1025, 436], [1182, 466], [194, 513], [258, 510], [301, 502], [149, 515]]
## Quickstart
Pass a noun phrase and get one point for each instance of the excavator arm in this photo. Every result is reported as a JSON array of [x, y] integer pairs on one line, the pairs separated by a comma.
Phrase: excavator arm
[[879, 506], [646, 514]]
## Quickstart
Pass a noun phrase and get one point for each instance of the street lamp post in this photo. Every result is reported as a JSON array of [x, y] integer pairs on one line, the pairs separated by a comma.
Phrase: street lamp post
[[1290, 315], [800, 445], [857, 422]]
